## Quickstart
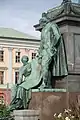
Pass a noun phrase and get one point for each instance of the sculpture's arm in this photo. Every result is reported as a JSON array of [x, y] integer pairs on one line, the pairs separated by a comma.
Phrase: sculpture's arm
[[40, 53], [55, 35], [41, 45], [54, 39], [29, 67], [20, 77], [27, 70]]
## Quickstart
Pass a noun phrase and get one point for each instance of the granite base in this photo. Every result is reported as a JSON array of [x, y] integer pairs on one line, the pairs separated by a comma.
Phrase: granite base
[[26, 114]]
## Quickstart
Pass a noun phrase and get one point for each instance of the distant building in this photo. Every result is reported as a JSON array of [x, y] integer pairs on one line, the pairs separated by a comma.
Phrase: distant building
[[13, 45]]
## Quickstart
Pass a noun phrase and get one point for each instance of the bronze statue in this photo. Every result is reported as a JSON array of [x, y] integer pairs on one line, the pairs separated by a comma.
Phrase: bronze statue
[[22, 97], [51, 52], [51, 61]]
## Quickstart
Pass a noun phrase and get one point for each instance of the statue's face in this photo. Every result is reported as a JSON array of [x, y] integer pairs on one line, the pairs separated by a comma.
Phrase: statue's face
[[24, 60], [43, 22]]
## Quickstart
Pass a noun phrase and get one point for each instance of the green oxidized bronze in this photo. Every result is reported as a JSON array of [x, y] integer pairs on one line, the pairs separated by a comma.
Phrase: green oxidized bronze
[[66, 8], [51, 61], [21, 97], [52, 52]]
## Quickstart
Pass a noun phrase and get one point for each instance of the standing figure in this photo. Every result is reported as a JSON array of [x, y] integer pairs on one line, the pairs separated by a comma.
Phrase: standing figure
[[51, 52]]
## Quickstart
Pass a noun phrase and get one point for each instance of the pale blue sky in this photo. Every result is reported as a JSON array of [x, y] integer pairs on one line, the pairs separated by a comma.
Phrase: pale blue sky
[[23, 14]]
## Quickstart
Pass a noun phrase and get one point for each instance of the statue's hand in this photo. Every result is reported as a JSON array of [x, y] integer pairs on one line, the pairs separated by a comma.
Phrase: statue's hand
[[19, 80], [19, 83], [39, 59]]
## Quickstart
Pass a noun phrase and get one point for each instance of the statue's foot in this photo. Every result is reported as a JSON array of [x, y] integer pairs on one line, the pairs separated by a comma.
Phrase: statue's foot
[[48, 87], [42, 87], [45, 87]]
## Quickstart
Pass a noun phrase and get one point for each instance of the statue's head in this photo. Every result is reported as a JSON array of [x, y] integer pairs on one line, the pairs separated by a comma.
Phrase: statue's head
[[44, 20], [24, 59]]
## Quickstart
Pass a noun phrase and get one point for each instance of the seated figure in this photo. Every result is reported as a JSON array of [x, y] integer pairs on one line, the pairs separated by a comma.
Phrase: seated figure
[[21, 96]]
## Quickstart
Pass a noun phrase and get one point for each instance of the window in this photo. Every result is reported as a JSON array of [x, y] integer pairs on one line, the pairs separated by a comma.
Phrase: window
[[1, 55], [16, 77], [1, 77], [33, 55], [17, 59]]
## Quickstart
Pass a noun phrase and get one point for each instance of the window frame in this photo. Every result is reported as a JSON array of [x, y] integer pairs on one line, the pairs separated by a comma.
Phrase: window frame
[[2, 81], [17, 57], [33, 55], [2, 55]]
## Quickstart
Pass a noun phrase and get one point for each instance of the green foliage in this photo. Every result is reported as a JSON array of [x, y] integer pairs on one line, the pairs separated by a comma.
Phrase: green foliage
[[4, 112]]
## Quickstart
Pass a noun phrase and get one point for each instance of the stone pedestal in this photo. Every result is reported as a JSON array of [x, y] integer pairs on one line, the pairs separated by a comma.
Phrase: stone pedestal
[[26, 114], [52, 102], [71, 83]]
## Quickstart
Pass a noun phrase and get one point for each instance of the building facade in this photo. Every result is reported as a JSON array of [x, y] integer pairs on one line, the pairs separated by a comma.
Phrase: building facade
[[13, 45]]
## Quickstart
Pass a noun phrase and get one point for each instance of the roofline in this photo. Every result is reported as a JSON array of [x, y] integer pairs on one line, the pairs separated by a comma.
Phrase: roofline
[[34, 39]]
